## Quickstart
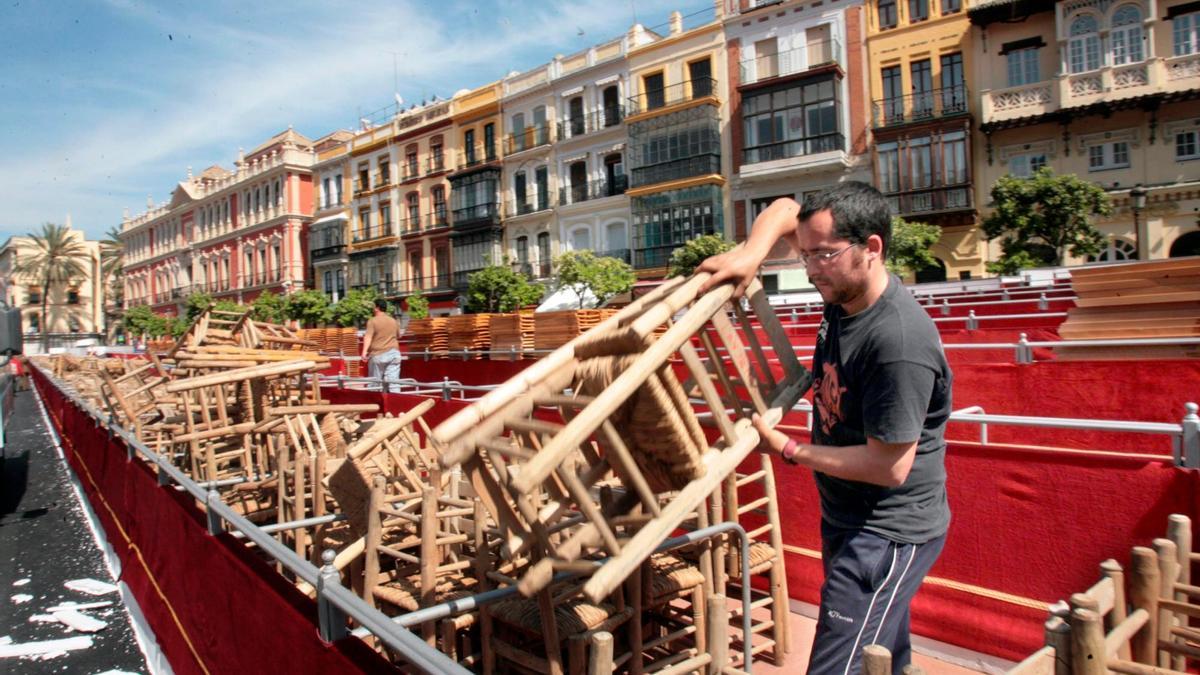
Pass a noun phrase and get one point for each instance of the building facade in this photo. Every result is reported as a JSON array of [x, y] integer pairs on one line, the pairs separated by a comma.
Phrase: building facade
[[75, 307], [233, 234], [798, 120], [1107, 90], [476, 232], [331, 215], [678, 157], [923, 111], [530, 183]]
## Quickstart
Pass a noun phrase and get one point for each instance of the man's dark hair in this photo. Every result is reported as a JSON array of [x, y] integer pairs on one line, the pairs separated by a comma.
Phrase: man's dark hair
[[381, 304], [858, 211]]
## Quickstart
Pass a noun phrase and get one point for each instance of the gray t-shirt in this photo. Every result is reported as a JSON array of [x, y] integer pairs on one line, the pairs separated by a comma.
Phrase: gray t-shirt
[[883, 373]]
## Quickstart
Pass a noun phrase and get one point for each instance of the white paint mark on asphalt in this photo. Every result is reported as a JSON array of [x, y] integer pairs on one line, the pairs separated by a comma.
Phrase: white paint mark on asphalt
[[21, 598], [10, 650], [20, 582], [79, 621], [91, 586]]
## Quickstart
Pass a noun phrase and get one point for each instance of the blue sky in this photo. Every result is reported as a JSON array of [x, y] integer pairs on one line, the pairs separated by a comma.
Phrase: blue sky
[[106, 102]]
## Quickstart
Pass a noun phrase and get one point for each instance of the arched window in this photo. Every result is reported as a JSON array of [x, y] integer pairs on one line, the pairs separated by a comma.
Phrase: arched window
[[1126, 35], [1117, 249], [1083, 48]]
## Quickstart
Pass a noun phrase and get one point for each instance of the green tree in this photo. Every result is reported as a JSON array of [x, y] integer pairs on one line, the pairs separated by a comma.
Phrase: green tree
[[310, 307], [196, 303], [603, 277], [112, 263], [178, 326], [355, 308], [909, 249], [227, 305], [138, 320], [499, 288], [57, 259], [418, 306], [1041, 218], [686, 258], [268, 307]]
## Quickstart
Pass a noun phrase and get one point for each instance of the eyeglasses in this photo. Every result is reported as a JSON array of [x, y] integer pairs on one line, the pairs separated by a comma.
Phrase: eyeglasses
[[823, 258]]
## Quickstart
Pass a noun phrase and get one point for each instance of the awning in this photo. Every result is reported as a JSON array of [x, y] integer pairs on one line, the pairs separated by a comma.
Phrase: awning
[[330, 219]]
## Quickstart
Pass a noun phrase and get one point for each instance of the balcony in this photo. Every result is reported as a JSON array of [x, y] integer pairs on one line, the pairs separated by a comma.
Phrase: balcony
[[437, 218], [477, 214], [436, 164], [675, 94], [180, 292], [1109, 86], [764, 67], [533, 270], [215, 286], [362, 185], [701, 165], [596, 189], [522, 206], [476, 156], [814, 149], [931, 200], [590, 123], [382, 179], [261, 278], [921, 106], [371, 234], [410, 225], [327, 252], [531, 137], [410, 171]]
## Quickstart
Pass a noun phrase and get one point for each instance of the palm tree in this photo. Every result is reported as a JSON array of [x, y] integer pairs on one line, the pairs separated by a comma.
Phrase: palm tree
[[112, 264], [57, 258]]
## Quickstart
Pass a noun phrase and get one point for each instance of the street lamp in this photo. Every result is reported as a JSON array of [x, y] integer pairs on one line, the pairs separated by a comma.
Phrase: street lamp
[[1137, 196]]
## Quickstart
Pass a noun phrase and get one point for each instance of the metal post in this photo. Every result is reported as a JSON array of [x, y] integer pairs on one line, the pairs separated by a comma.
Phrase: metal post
[[445, 388], [1004, 294], [1024, 353], [1043, 302], [795, 315], [1189, 451], [215, 526], [945, 308], [972, 322], [427, 354], [330, 618]]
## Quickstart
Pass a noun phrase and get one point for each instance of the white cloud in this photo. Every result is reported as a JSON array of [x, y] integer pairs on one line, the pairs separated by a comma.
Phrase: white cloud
[[312, 67]]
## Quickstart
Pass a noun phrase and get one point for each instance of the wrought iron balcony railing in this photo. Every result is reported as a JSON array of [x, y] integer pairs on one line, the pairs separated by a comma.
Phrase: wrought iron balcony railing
[[921, 106], [596, 189], [674, 94], [609, 116]]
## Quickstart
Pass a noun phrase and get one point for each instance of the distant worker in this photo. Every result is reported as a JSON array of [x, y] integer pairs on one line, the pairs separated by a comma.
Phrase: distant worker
[[881, 399], [381, 346]]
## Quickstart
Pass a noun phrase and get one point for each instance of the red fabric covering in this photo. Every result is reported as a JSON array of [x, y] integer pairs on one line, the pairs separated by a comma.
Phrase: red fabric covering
[[213, 605]]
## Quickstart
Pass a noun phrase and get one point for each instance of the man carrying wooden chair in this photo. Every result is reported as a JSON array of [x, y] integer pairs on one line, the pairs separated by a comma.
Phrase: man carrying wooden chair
[[881, 398]]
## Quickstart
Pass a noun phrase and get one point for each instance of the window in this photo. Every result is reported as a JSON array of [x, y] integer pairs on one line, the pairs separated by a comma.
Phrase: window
[[666, 220], [410, 163], [489, 141], [518, 132], [680, 144], [521, 192], [920, 163], [337, 186], [951, 6], [385, 170], [469, 146], [1185, 31], [35, 295], [72, 296], [1023, 67], [523, 250], [953, 170], [1126, 35], [414, 210], [793, 122], [766, 58], [887, 164], [541, 184], [436, 160], [612, 106], [1025, 165], [575, 125], [954, 90], [1117, 250], [581, 239], [918, 10], [438, 194], [1083, 48], [757, 206], [385, 219], [1187, 144], [887, 14], [921, 73], [1104, 156], [328, 286], [364, 177], [653, 91], [700, 73], [893, 98]]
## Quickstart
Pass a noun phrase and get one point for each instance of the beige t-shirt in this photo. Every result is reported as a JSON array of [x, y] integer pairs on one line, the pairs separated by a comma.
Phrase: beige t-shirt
[[383, 332]]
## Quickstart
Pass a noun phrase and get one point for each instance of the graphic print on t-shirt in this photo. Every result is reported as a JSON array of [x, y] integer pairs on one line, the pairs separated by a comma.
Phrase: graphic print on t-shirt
[[827, 396]]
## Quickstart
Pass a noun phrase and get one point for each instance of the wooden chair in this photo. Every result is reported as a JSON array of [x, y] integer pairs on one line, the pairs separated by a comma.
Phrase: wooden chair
[[628, 415]]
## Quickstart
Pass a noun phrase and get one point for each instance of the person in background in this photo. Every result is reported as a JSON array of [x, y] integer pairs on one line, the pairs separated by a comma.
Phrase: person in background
[[381, 346], [881, 399]]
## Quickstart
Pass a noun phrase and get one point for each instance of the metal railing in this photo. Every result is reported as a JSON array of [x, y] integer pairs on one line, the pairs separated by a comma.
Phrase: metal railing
[[335, 603], [520, 206], [528, 138], [261, 278], [605, 118], [479, 154], [596, 189], [437, 218], [687, 167], [932, 199], [410, 224], [815, 54], [410, 170], [474, 214], [921, 106], [327, 252], [436, 164], [683, 92], [372, 233]]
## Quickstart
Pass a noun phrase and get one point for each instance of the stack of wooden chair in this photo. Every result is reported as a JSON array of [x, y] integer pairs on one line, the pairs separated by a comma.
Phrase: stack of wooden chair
[[511, 333], [1138, 621], [430, 334], [592, 481], [469, 331]]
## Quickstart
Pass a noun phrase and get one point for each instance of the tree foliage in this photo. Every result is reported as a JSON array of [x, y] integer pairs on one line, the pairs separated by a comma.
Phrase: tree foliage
[[1041, 218], [355, 308], [268, 307], [196, 303], [499, 288], [583, 272], [227, 305], [418, 306], [310, 307], [141, 320], [57, 259], [909, 249], [686, 258]]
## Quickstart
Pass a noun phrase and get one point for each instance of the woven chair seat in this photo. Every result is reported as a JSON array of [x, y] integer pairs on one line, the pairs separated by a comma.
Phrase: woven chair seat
[[572, 617], [670, 575], [762, 555], [405, 592]]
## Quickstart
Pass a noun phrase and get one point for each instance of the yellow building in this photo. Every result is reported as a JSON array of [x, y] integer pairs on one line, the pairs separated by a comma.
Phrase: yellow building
[[74, 310], [329, 231], [922, 109], [1106, 90], [476, 233], [678, 156]]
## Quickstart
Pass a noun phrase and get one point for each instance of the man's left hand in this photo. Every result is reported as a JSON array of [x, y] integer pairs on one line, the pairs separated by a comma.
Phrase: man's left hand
[[769, 438]]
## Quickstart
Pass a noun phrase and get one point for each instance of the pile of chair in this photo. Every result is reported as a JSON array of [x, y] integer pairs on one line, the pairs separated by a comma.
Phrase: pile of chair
[[1140, 621]]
